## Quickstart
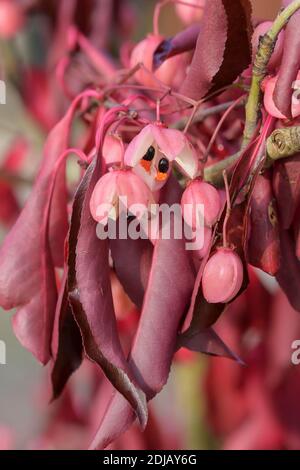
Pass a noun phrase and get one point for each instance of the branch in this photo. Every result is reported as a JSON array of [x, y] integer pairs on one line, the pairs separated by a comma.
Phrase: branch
[[283, 143], [202, 114], [265, 50], [214, 173]]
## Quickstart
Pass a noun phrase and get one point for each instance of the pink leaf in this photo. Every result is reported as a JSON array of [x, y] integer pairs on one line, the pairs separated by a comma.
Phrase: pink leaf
[[35, 245]]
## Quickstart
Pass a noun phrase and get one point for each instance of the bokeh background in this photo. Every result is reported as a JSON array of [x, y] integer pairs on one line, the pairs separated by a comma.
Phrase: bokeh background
[[187, 408]]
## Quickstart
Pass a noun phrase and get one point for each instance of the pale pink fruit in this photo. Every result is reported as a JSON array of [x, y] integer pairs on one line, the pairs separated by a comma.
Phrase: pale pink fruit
[[268, 88], [153, 151], [105, 202], [222, 276], [113, 150], [259, 31], [189, 14], [171, 72], [200, 193], [11, 18]]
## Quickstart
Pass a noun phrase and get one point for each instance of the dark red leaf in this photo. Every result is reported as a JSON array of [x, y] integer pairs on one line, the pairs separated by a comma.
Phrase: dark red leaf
[[206, 341], [296, 230], [166, 300], [288, 275], [132, 263], [69, 350], [91, 297], [286, 185], [264, 244], [9, 207], [223, 47]]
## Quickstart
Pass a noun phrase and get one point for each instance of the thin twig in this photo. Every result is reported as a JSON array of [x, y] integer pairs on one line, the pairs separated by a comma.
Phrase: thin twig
[[202, 114]]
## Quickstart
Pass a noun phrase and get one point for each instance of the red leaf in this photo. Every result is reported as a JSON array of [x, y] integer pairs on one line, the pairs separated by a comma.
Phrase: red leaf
[[9, 207], [166, 300], [264, 244], [296, 230], [27, 276], [288, 275], [132, 263], [208, 342], [91, 297], [35, 245], [223, 47], [286, 185], [69, 350]]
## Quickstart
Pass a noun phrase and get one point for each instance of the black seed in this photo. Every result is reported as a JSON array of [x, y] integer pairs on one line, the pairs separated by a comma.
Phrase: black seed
[[149, 155], [163, 165]]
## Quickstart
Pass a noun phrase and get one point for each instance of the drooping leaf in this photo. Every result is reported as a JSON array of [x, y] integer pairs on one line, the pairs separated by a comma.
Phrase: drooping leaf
[[223, 47], [286, 184], [296, 231], [35, 245], [132, 262], [67, 344], [264, 243], [69, 350], [27, 278], [288, 275], [208, 342], [91, 297], [166, 300]]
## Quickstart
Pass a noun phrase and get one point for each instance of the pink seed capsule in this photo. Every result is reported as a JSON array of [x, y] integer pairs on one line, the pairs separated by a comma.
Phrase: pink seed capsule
[[171, 72], [113, 150], [105, 200], [200, 202], [222, 276]]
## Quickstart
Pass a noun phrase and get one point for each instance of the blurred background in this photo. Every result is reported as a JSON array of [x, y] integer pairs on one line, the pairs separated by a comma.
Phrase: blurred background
[[208, 403]]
